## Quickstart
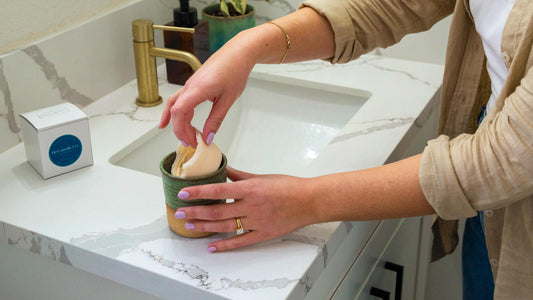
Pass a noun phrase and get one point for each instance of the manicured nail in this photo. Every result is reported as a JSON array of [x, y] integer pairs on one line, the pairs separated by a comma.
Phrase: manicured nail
[[184, 144], [180, 215], [212, 249], [183, 195], [189, 226], [210, 138]]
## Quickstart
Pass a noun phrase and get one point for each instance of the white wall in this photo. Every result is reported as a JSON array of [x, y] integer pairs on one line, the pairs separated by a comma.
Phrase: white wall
[[26, 21]]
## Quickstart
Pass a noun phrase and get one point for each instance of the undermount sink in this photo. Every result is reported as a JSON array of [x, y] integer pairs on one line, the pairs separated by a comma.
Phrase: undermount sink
[[272, 128]]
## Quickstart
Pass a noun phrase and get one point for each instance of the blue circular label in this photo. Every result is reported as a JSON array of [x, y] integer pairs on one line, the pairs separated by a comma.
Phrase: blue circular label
[[65, 150]]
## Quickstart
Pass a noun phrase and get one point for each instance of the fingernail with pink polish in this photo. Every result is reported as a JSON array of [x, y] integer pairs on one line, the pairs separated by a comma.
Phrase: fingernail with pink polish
[[210, 138], [212, 249], [183, 195], [189, 226], [180, 215]]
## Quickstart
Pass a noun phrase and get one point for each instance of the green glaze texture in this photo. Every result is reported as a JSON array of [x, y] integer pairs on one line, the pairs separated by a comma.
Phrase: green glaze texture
[[173, 184]]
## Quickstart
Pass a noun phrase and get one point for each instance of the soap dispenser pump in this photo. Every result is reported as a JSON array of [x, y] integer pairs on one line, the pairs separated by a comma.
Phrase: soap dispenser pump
[[196, 43]]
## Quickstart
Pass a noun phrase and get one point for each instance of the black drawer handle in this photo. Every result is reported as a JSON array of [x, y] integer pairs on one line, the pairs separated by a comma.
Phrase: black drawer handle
[[384, 295], [399, 278], [399, 282]]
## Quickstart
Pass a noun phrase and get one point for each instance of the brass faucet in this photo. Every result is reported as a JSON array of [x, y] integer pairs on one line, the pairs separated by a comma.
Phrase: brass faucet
[[145, 53]]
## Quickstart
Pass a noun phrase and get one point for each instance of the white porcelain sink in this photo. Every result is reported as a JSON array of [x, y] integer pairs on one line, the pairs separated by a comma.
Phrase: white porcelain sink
[[272, 128]]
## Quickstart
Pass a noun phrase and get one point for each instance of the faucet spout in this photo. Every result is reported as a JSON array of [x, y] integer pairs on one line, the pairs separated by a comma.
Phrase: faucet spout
[[178, 55], [145, 53]]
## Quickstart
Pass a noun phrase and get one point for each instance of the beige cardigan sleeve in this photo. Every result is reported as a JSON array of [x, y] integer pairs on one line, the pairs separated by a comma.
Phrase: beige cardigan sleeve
[[489, 169], [363, 25]]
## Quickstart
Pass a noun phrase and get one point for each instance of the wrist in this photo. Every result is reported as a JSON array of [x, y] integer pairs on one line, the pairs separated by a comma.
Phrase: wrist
[[242, 48], [314, 201], [263, 44]]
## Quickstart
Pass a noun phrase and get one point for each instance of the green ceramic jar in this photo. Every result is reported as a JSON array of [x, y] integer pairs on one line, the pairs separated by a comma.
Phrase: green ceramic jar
[[222, 29], [173, 184]]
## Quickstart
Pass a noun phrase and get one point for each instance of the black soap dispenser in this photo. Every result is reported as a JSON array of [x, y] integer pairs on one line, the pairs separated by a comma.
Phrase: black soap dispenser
[[197, 43]]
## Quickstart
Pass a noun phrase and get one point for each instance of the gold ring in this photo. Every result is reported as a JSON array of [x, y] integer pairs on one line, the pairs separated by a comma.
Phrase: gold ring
[[239, 229]]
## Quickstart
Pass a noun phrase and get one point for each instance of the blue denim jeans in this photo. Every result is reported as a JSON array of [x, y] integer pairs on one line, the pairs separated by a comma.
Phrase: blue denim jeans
[[478, 282]]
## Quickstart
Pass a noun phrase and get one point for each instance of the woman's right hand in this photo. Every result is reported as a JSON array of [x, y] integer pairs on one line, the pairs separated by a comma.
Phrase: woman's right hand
[[223, 77], [221, 80]]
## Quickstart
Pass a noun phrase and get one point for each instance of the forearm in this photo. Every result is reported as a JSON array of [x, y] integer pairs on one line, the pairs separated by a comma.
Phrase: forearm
[[310, 35], [389, 191]]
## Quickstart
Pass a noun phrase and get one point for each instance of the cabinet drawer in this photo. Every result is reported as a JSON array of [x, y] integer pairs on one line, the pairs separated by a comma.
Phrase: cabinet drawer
[[356, 277], [395, 271]]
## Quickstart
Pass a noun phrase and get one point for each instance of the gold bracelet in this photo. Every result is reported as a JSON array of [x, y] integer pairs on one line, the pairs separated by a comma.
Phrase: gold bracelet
[[288, 42]]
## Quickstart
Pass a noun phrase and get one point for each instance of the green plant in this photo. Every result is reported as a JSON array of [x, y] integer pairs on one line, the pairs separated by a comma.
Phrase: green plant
[[239, 5]]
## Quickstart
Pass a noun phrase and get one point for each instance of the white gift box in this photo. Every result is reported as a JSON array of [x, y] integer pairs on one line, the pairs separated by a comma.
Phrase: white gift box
[[57, 139]]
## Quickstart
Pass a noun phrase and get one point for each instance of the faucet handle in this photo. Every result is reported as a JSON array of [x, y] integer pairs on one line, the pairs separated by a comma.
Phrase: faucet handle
[[143, 30], [174, 28]]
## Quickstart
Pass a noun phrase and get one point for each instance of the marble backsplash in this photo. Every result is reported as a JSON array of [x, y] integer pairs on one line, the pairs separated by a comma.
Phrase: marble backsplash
[[87, 62]]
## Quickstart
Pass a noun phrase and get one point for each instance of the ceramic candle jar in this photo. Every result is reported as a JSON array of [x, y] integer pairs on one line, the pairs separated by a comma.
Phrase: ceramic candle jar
[[173, 184]]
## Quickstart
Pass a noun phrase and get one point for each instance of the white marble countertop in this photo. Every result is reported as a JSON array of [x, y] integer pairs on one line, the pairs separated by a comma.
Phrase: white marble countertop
[[110, 220]]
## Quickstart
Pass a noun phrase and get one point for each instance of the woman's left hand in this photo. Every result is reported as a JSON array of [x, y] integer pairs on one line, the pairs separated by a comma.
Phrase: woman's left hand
[[267, 205]]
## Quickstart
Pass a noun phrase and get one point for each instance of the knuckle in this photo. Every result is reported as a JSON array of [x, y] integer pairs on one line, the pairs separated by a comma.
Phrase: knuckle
[[200, 226], [254, 187], [176, 109], [214, 213], [218, 189], [216, 122], [234, 243], [191, 212], [230, 226]]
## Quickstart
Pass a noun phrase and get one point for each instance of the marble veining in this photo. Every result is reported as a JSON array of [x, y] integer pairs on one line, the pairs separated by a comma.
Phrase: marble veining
[[194, 272], [106, 242], [370, 60], [304, 239], [35, 243], [130, 114], [306, 283], [4, 88], [411, 76], [48, 68], [375, 126], [202, 278], [310, 240], [278, 283]]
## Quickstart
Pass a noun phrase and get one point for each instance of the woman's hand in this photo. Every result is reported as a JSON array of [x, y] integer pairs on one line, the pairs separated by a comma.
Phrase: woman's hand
[[268, 205], [220, 80], [223, 77]]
